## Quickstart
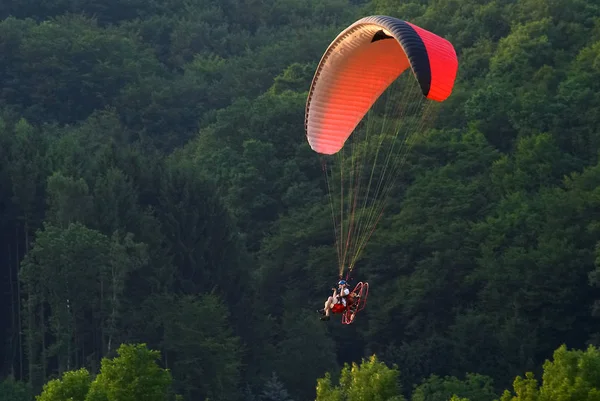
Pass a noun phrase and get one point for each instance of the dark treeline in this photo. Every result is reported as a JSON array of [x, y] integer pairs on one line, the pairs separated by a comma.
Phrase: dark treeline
[[156, 186]]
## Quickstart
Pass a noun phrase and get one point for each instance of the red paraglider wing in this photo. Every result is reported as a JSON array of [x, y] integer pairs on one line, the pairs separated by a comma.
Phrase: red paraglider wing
[[361, 63]]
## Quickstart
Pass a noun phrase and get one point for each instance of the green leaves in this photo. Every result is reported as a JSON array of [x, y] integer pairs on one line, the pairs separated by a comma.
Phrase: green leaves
[[72, 386], [371, 380], [79, 66], [204, 355], [13, 390], [571, 375], [74, 278], [474, 387], [218, 254], [68, 200], [133, 375]]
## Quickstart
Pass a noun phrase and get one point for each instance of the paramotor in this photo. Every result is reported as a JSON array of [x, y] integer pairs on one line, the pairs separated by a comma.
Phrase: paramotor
[[357, 302]]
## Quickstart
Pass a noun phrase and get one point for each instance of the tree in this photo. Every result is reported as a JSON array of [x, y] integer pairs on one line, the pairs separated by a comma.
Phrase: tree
[[133, 375], [199, 346], [298, 363], [274, 390], [12, 390], [74, 277], [73, 386], [475, 387], [571, 376], [371, 380], [69, 200]]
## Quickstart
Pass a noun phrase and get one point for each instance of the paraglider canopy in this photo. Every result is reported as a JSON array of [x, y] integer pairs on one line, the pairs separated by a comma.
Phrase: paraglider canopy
[[361, 63], [363, 156]]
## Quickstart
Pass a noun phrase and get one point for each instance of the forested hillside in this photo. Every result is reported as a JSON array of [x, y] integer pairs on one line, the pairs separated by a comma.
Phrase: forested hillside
[[156, 187]]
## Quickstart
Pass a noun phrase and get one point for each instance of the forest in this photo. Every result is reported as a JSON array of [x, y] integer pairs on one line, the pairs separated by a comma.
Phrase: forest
[[162, 216]]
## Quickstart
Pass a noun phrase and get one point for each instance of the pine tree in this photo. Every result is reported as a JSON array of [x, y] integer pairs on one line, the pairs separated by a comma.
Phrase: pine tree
[[275, 390]]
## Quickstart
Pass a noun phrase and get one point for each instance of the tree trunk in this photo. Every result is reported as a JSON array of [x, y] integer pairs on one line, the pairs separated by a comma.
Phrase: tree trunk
[[43, 341], [30, 337], [19, 305]]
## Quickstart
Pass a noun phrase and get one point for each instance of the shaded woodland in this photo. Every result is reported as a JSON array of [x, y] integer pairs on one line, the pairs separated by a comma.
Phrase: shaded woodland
[[156, 187]]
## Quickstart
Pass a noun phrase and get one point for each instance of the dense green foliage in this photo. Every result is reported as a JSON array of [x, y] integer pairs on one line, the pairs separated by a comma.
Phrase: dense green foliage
[[156, 187], [569, 375], [132, 375], [371, 380]]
